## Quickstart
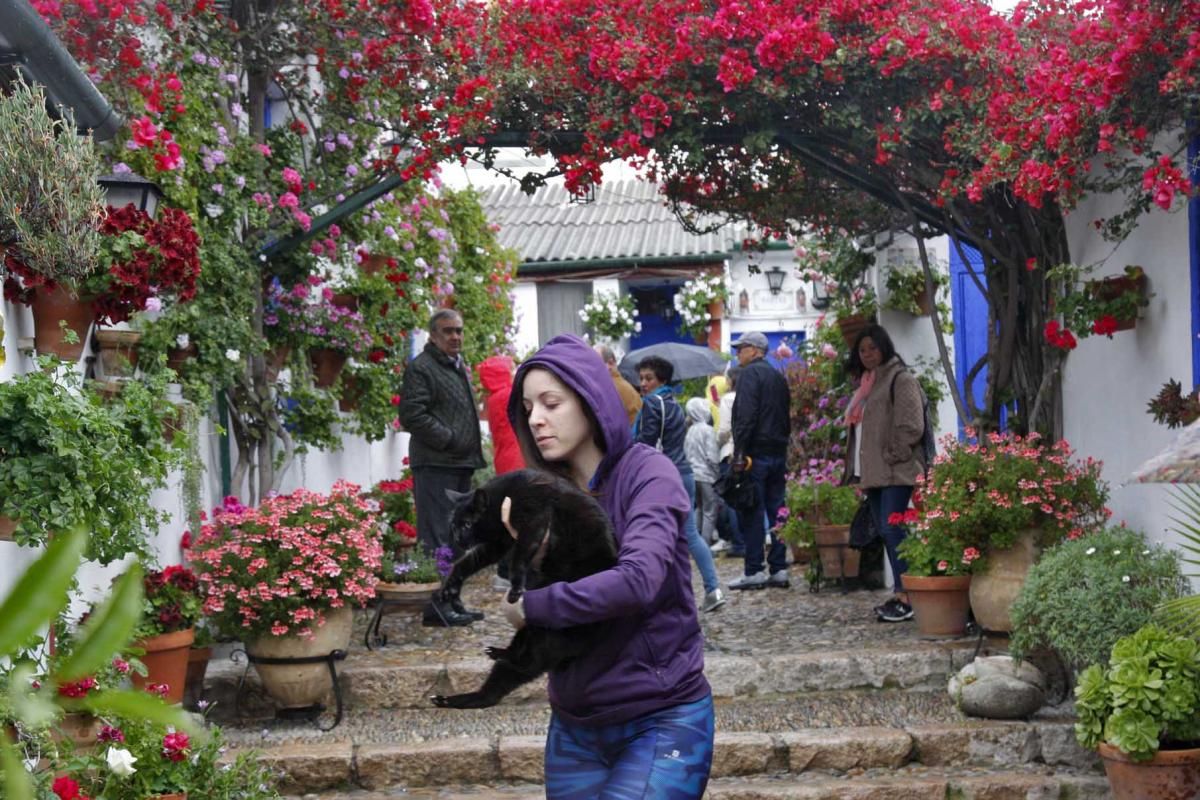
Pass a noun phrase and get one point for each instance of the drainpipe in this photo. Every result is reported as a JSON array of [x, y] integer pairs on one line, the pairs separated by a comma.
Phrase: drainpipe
[[42, 58]]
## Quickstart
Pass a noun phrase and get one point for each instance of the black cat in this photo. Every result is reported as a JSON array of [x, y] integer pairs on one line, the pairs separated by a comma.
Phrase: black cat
[[579, 542]]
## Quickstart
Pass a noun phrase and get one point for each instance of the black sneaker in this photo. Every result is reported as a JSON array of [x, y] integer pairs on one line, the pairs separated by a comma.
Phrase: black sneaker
[[895, 611]]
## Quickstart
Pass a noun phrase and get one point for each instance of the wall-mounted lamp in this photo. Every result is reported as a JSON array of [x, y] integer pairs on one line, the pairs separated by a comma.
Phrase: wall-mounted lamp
[[775, 278], [121, 190], [820, 295]]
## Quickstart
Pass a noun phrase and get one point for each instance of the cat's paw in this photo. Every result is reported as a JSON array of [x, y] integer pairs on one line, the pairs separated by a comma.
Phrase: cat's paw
[[514, 594], [496, 653]]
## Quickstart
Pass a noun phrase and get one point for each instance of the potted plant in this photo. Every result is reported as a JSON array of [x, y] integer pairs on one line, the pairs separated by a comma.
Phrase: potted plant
[[937, 578], [1141, 711], [170, 609], [699, 302], [1098, 306], [907, 291], [610, 315], [1086, 593], [821, 510], [284, 576], [1171, 407], [854, 310], [835, 260], [305, 319], [1008, 496], [67, 458], [49, 210], [393, 500], [417, 575]]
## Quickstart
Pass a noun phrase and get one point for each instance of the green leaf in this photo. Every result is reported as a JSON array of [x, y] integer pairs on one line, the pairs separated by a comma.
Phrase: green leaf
[[35, 707], [140, 705], [108, 629], [17, 785], [41, 593]]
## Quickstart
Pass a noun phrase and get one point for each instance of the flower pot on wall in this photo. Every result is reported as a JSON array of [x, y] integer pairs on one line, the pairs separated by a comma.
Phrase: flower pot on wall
[[1170, 775], [851, 326], [8, 525], [118, 352], [373, 264], [302, 685], [351, 394], [925, 303], [327, 364], [177, 357], [166, 661], [941, 603], [276, 357], [716, 312], [1113, 287], [50, 306], [994, 590]]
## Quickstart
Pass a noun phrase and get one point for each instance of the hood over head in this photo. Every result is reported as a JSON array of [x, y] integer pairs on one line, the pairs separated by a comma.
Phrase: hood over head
[[577, 365], [697, 411], [495, 373]]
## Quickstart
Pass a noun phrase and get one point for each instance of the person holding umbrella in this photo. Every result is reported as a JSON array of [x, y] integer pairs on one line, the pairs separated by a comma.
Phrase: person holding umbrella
[[662, 425]]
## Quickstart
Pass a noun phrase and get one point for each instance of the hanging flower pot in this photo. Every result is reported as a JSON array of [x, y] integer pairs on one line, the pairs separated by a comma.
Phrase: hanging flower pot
[[925, 303], [352, 390], [327, 364], [851, 326], [345, 300], [276, 357], [166, 661], [177, 357], [1116, 287], [302, 685], [118, 352], [52, 306], [373, 264], [941, 603], [8, 526]]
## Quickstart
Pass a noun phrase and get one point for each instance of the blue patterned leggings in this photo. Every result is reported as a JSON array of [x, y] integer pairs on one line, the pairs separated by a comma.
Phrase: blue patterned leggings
[[666, 755]]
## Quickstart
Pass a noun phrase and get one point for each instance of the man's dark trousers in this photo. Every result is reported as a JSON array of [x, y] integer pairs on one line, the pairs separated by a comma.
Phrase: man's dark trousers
[[434, 509], [769, 474]]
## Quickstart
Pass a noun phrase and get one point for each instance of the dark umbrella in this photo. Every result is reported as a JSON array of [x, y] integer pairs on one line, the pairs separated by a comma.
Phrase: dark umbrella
[[689, 360]]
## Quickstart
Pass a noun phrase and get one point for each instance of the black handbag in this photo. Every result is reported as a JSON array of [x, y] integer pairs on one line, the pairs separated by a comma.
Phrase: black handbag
[[737, 490], [863, 528]]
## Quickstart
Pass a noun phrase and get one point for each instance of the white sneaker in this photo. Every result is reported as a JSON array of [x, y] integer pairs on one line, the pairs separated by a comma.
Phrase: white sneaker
[[755, 581], [719, 546], [501, 584], [779, 580], [713, 600]]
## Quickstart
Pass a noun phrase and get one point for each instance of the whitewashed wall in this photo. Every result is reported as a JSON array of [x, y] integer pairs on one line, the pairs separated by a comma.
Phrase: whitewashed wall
[[1109, 381]]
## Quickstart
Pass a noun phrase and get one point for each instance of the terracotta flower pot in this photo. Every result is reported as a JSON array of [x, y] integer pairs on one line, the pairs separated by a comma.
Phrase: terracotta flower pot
[[941, 603], [166, 662], [50, 306], [118, 352], [838, 558], [302, 685], [276, 357], [851, 326], [1170, 775], [327, 364], [1113, 287], [994, 590], [351, 395], [78, 727], [177, 357], [345, 300], [925, 303], [373, 264], [197, 667], [7, 526]]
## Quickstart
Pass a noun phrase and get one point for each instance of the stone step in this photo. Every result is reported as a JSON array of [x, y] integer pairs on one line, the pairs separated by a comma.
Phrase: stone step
[[375, 680], [1030, 782], [342, 762]]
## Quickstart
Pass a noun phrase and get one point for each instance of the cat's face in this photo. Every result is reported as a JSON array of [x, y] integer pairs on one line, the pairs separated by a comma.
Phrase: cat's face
[[469, 510]]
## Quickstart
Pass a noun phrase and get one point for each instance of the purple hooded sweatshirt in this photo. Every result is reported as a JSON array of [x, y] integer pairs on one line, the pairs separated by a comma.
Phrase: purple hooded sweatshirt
[[652, 656]]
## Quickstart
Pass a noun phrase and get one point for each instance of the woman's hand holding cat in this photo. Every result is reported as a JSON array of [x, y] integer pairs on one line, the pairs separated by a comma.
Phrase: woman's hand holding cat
[[505, 512], [514, 612]]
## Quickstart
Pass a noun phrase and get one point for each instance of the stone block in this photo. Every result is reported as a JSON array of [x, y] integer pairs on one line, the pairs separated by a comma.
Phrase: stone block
[[846, 748], [1060, 747], [310, 767], [436, 763], [522, 758], [388, 686], [975, 743], [741, 754]]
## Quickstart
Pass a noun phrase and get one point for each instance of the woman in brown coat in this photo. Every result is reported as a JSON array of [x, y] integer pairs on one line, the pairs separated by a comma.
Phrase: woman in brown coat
[[886, 420]]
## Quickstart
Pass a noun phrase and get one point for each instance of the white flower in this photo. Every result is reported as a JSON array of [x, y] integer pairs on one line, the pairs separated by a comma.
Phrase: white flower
[[1116, 552], [1090, 550], [1124, 579], [213, 210], [233, 355], [1145, 552], [182, 341], [120, 761]]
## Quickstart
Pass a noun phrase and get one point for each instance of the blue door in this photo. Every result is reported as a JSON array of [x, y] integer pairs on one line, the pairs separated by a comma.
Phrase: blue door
[[656, 312], [970, 321]]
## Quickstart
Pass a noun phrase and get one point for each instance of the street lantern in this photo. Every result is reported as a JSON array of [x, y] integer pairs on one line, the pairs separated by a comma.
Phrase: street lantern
[[820, 294], [121, 190], [775, 277]]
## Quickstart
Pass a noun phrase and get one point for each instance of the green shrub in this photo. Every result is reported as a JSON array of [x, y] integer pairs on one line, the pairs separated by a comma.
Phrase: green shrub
[[1085, 594]]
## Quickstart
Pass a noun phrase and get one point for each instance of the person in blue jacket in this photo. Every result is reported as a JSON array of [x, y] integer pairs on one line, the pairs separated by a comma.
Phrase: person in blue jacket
[[635, 717]]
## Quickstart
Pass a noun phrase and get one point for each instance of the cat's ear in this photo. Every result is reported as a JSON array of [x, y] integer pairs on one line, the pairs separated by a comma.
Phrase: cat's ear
[[458, 498]]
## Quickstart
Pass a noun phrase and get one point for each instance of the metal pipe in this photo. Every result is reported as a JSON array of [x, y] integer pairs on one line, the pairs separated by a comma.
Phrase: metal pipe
[[42, 58]]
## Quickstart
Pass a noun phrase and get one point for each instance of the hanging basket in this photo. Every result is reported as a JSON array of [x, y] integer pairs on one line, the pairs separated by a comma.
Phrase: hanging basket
[[925, 303], [352, 391], [327, 364], [1111, 288], [52, 306]]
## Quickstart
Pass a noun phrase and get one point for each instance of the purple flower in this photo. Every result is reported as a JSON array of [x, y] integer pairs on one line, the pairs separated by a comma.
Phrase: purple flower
[[121, 168]]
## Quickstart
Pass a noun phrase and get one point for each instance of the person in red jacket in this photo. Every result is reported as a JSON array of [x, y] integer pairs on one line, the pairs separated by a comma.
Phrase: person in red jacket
[[496, 377]]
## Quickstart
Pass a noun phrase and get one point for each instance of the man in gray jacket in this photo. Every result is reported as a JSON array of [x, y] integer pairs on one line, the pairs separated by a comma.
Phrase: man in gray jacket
[[438, 409]]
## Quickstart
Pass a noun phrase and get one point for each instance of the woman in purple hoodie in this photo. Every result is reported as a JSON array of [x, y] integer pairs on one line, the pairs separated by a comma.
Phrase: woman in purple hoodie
[[635, 717]]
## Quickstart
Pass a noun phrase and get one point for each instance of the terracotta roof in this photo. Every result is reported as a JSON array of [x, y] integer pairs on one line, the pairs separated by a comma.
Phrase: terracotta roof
[[628, 220]]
